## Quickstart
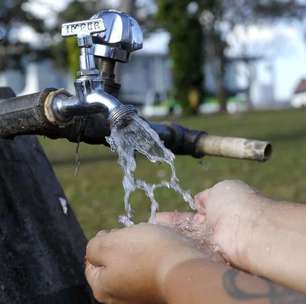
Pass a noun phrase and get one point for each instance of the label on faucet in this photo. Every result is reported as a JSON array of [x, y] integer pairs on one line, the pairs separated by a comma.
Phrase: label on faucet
[[83, 28]]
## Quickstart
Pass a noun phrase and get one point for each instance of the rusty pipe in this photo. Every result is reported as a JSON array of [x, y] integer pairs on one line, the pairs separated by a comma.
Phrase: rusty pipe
[[231, 147]]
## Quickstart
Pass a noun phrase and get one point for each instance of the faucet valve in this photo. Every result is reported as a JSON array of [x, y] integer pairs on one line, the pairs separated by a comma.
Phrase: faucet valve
[[87, 59], [119, 34], [122, 36], [83, 31]]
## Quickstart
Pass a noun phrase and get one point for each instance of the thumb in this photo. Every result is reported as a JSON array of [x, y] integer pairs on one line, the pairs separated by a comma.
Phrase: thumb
[[95, 278], [92, 273], [173, 219]]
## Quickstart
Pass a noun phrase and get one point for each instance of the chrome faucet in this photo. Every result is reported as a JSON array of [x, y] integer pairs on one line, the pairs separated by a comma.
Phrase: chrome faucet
[[107, 38], [110, 37]]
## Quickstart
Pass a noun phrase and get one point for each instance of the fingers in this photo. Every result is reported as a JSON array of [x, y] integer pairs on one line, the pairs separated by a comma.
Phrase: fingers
[[99, 249], [199, 219], [173, 219], [95, 278], [92, 273], [201, 200], [176, 219]]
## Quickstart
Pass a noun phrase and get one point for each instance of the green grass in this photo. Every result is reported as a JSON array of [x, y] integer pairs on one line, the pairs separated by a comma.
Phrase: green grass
[[96, 194]]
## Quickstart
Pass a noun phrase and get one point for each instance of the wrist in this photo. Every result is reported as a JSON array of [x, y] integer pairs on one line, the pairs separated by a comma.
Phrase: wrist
[[170, 264], [180, 281], [251, 230]]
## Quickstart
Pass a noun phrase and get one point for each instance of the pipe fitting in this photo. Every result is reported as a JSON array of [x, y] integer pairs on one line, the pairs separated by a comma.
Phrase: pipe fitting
[[121, 116], [56, 97]]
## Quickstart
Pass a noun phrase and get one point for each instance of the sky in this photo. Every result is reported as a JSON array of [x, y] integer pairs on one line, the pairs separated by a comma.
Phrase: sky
[[282, 46]]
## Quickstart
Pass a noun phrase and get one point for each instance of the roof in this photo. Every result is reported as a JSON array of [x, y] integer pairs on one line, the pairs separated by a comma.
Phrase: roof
[[301, 87]]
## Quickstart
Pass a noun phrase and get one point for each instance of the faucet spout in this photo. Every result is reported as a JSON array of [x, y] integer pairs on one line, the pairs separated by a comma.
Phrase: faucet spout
[[64, 108], [100, 99], [116, 112]]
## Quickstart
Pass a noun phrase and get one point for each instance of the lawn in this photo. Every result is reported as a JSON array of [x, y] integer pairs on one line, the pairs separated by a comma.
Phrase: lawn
[[96, 193]]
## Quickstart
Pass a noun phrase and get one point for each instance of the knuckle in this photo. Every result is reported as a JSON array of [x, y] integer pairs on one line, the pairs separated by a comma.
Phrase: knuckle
[[92, 246], [226, 185], [199, 197], [102, 233], [233, 186], [95, 252], [222, 184]]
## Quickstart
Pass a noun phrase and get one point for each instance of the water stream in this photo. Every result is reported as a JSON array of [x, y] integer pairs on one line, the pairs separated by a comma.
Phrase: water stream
[[139, 136]]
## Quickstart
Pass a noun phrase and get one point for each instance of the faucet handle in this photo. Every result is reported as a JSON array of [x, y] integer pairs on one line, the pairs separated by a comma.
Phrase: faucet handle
[[122, 36], [83, 28]]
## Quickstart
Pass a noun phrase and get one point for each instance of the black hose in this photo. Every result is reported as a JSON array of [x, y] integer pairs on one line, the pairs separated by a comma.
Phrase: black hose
[[94, 129], [26, 115], [23, 114], [179, 140], [29, 115]]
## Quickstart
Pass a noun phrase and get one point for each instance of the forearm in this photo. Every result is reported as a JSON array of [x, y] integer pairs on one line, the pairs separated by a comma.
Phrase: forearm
[[276, 245], [201, 282]]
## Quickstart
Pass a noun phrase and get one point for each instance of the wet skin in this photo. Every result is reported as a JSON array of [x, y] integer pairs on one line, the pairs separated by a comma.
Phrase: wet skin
[[158, 264]]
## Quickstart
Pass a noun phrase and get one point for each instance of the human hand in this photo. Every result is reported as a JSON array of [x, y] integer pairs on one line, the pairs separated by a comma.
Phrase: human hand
[[257, 234], [131, 264], [226, 214]]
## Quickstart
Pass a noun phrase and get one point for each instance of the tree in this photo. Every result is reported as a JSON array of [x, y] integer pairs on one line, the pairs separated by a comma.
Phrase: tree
[[200, 29], [14, 15], [128, 6], [66, 53], [82, 10], [186, 50], [220, 17]]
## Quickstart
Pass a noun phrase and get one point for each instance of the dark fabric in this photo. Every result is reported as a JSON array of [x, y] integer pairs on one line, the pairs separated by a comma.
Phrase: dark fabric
[[41, 247]]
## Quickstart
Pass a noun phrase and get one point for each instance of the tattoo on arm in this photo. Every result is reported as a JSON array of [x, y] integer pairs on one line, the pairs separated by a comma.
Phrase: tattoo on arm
[[275, 294]]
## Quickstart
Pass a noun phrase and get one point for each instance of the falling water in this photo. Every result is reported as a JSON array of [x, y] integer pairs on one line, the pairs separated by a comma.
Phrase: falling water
[[139, 136]]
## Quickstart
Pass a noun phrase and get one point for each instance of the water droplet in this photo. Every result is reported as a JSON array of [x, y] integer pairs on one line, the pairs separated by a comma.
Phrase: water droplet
[[77, 160], [161, 174]]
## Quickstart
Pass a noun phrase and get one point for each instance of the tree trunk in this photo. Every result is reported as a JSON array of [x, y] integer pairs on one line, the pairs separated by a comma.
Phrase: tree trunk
[[250, 85], [128, 6], [222, 99], [222, 96]]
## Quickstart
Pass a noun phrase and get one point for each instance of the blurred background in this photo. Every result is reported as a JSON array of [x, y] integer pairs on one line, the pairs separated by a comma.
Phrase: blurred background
[[232, 68]]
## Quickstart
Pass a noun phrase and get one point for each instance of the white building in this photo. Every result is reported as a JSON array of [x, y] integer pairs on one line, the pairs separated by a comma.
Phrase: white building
[[299, 96]]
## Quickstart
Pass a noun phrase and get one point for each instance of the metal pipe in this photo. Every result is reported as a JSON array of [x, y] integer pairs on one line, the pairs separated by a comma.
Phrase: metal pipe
[[107, 68], [23, 114], [31, 115], [230, 147]]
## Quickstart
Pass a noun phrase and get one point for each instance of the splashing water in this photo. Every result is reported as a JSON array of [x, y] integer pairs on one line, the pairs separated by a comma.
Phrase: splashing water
[[139, 136]]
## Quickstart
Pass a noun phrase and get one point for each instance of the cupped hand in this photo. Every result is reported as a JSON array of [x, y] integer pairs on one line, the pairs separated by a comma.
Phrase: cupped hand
[[129, 265], [226, 214]]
